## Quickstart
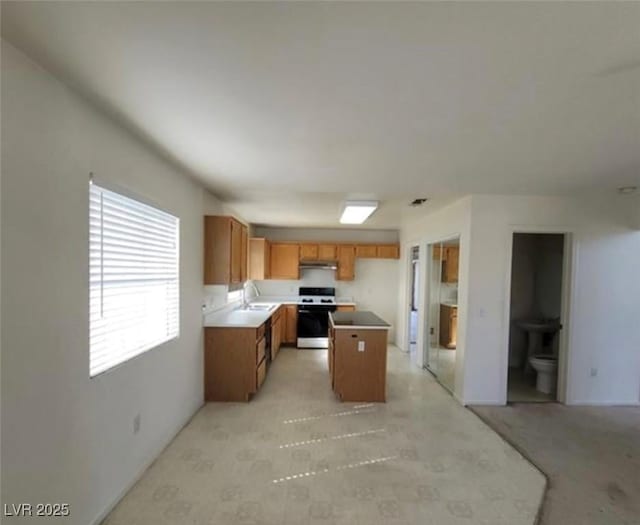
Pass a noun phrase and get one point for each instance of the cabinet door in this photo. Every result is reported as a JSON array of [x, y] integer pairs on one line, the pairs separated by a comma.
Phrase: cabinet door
[[243, 253], [236, 251], [327, 252], [217, 249], [445, 325], [258, 259], [291, 323], [308, 252], [453, 328], [367, 251], [285, 261], [346, 262], [388, 251], [452, 263]]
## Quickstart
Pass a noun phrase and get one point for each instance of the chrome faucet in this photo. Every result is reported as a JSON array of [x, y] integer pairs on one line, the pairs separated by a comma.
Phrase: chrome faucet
[[244, 292]]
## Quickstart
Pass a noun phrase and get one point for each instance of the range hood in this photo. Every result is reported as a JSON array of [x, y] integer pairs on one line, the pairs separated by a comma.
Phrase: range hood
[[318, 265]]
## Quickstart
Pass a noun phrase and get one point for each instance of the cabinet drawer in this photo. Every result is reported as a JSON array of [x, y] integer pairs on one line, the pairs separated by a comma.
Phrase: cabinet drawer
[[261, 372], [260, 349], [260, 332]]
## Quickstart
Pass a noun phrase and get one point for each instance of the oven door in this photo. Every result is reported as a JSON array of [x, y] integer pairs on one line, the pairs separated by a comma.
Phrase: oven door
[[313, 326]]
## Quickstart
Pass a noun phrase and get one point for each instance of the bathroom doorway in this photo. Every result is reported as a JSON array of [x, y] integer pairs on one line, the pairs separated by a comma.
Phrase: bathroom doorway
[[441, 334], [414, 269], [537, 297]]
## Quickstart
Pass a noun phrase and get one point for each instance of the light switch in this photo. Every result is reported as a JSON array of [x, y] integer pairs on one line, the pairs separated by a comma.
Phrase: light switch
[[360, 346]]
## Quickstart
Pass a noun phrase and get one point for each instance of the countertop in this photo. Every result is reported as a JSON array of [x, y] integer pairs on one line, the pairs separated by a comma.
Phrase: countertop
[[284, 299], [361, 320], [449, 303], [234, 318]]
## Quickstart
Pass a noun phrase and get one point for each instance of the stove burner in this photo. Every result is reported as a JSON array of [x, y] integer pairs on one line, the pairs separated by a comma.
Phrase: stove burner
[[329, 301], [307, 300]]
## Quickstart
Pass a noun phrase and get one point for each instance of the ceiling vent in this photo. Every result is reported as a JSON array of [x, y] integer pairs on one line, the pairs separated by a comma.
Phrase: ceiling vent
[[418, 202]]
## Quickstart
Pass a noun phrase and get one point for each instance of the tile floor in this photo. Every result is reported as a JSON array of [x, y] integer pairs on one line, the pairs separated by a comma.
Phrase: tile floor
[[442, 362], [591, 455], [295, 455]]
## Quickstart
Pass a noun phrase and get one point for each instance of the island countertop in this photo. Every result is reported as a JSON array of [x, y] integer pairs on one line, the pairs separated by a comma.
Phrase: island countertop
[[361, 320]]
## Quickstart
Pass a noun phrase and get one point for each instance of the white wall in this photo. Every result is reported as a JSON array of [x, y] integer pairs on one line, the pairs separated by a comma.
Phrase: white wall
[[66, 437], [375, 279], [603, 330], [446, 223]]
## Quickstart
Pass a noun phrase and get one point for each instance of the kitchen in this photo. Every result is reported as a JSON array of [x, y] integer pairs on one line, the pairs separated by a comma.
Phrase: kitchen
[[459, 120], [278, 289]]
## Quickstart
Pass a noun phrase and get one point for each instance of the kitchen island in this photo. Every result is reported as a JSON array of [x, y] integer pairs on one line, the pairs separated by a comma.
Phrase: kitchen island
[[358, 356]]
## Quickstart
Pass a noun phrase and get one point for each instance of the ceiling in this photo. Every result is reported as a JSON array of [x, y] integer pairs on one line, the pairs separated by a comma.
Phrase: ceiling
[[286, 109]]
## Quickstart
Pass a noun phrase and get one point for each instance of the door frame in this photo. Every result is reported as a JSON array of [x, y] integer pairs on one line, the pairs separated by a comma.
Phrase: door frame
[[425, 320], [569, 259], [409, 296]]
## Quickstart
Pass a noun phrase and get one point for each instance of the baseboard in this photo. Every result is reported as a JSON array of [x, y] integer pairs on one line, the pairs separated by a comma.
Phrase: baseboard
[[491, 402], [604, 403], [105, 512]]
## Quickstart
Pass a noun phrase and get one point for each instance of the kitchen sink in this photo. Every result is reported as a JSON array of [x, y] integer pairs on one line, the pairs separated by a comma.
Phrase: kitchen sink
[[257, 307]]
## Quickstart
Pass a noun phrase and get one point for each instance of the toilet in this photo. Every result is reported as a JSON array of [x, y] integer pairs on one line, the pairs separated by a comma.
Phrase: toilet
[[546, 367]]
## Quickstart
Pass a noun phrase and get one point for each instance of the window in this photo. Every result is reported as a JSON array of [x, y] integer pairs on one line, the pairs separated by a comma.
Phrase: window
[[133, 278]]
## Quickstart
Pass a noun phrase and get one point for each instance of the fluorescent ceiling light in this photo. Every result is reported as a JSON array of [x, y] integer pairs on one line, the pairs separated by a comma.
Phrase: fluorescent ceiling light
[[356, 212]]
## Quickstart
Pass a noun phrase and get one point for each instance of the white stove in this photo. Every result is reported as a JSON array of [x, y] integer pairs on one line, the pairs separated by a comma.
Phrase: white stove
[[307, 299]]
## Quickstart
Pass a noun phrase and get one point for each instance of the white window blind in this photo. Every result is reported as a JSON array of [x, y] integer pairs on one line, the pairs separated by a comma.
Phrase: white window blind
[[133, 278]]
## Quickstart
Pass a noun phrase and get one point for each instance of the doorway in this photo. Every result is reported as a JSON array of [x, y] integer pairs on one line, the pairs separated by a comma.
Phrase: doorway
[[535, 360], [413, 299], [441, 332]]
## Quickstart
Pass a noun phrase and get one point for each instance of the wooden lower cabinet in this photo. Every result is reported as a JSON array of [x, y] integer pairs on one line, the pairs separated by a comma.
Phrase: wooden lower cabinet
[[358, 375], [346, 308], [290, 324], [277, 331], [234, 363], [448, 326]]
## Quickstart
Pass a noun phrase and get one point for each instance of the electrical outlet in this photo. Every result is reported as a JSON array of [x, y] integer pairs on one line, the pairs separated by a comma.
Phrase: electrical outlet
[[136, 424], [432, 331], [594, 372]]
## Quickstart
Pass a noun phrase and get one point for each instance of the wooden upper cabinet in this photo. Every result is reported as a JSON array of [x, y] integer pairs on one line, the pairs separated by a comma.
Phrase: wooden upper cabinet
[[244, 249], [236, 251], [388, 251], [224, 250], [378, 251], [309, 252], [346, 262], [327, 252], [451, 264], [366, 251], [259, 259], [285, 261]]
